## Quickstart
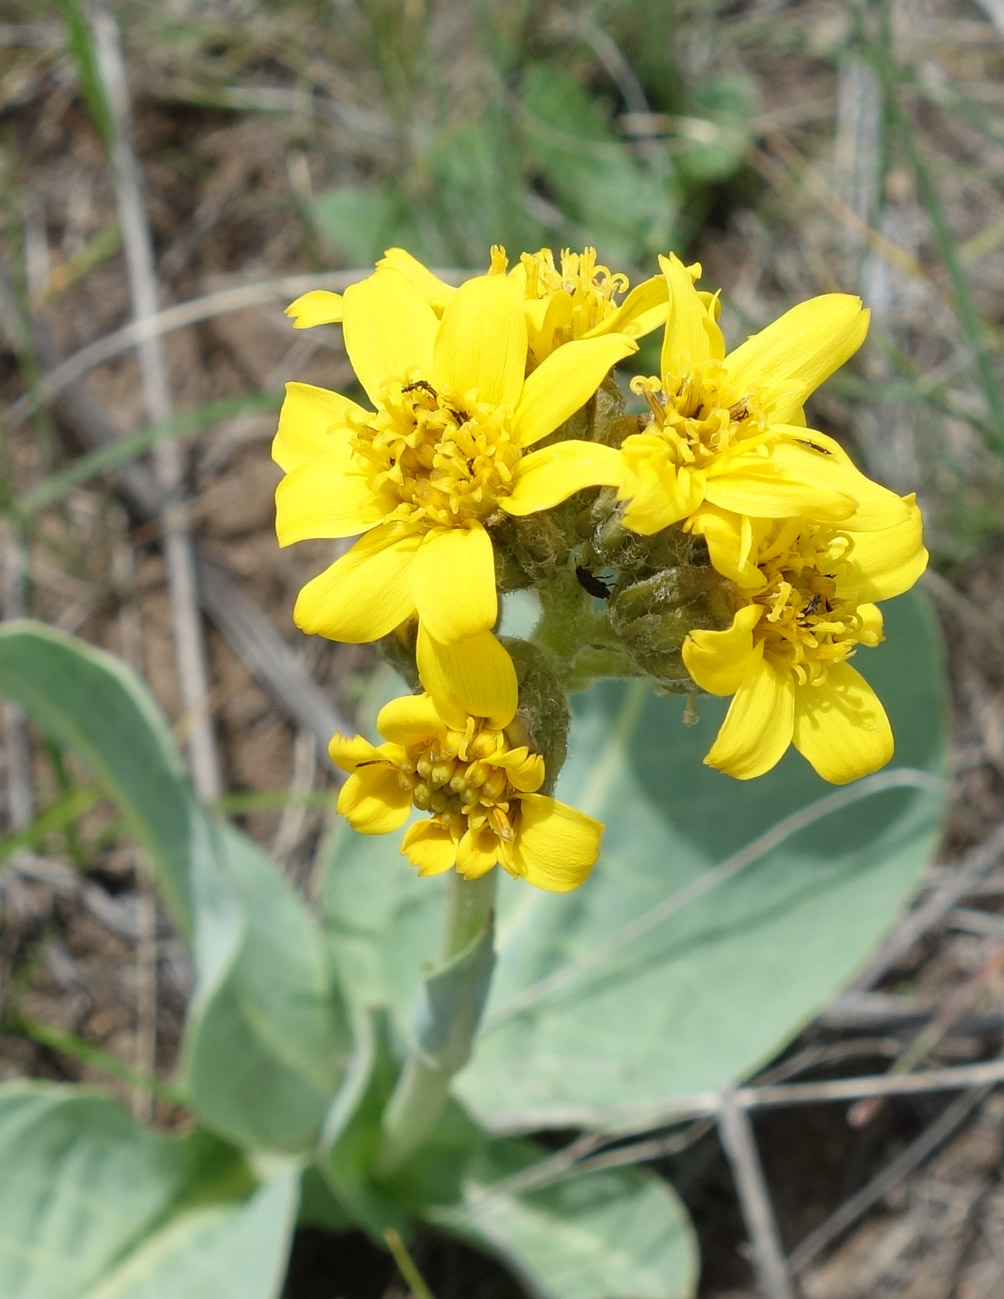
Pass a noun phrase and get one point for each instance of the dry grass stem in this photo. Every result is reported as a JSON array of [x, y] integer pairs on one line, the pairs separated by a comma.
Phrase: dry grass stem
[[179, 552], [736, 1132]]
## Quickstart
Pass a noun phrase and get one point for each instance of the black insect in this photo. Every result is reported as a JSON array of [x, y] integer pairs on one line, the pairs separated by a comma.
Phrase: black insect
[[813, 605], [425, 385], [804, 442], [591, 583]]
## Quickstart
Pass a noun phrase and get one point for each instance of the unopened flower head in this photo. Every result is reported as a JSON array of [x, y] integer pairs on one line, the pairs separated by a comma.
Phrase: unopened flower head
[[477, 787], [724, 429], [809, 593], [442, 454]]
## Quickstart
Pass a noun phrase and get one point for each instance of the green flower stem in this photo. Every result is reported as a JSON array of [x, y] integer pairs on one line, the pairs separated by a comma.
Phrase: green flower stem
[[592, 663], [422, 1088], [583, 643], [566, 613]]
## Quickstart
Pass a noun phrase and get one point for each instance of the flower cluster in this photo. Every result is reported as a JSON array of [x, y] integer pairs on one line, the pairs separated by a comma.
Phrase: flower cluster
[[730, 548]]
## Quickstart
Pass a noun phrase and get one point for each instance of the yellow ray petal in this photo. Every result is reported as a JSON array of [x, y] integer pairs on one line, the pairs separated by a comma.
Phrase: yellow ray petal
[[324, 500], [779, 488], [791, 357], [313, 424], [664, 495], [732, 544], [453, 583], [688, 340], [389, 330], [474, 678], [758, 726], [482, 340], [876, 506], [887, 563], [366, 593], [435, 291], [430, 847], [872, 623], [564, 382], [410, 719], [545, 478], [841, 726], [544, 317], [349, 751], [319, 307], [556, 846], [644, 309], [719, 660], [372, 800], [524, 769], [477, 853]]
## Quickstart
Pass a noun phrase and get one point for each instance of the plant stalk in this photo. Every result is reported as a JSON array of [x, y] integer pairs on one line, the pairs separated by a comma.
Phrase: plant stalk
[[422, 1088]]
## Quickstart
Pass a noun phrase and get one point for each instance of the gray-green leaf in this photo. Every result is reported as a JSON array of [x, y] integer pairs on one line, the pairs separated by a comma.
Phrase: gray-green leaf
[[266, 1037], [94, 1206], [606, 1235]]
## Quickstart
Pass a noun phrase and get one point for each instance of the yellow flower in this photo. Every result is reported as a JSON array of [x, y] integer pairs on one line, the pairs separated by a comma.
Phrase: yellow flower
[[575, 299], [810, 592], [439, 460], [729, 429], [478, 788]]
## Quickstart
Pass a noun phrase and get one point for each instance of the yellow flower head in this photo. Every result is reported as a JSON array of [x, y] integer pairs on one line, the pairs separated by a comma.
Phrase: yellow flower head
[[725, 429], [810, 591], [575, 299], [477, 787], [442, 455]]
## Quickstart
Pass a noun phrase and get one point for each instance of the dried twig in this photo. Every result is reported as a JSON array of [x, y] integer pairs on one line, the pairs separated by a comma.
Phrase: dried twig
[[630, 1118], [179, 554], [17, 751], [933, 1031], [294, 814], [145, 1044], [737, 1139], [885, 1181], [63, 374], [251, 635], [268, 658], [976, 863]]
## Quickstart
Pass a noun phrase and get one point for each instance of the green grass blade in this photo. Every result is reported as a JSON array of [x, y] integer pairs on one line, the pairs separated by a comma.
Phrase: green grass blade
[[115, 454], [78, 35]]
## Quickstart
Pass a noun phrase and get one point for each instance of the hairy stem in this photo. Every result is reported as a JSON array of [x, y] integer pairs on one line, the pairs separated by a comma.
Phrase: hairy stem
[[450, 1021]]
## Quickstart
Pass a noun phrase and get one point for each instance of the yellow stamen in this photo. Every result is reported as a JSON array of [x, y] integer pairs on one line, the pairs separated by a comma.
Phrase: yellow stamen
[[444, 456]]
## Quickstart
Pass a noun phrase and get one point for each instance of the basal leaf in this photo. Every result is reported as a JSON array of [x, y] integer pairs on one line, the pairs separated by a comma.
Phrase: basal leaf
[[266, 1038], [95, 1206], [606, 1235], [92, 703]]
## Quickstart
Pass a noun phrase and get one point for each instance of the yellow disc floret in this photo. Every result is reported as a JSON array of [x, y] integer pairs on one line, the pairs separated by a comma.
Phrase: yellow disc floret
[[591, 287], [809, 623], [696, 416], [477, 788], [470, 780], [447, 459], [808, 595]]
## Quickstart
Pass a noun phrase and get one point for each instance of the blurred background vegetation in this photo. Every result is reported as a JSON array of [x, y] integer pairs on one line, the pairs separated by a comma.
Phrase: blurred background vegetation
[[793, 148]]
